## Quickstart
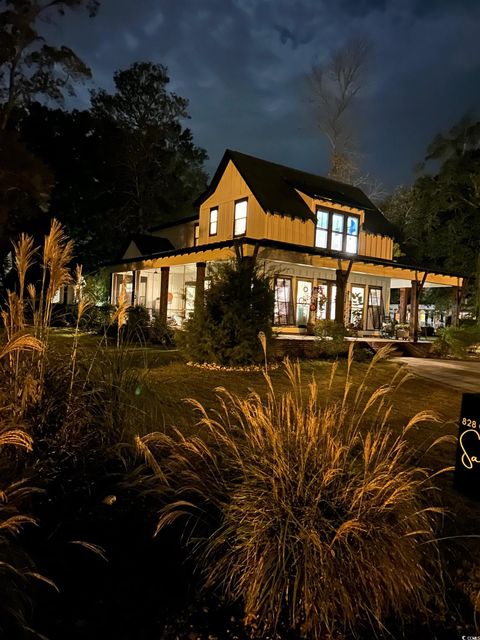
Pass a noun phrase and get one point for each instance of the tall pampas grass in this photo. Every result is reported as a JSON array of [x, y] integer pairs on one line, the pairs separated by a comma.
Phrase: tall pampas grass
[[317, 519]]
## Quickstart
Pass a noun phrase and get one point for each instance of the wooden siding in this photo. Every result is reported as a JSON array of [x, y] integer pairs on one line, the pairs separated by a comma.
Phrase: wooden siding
[[375, 246], [231, 187], [286, 229], [131, 252]]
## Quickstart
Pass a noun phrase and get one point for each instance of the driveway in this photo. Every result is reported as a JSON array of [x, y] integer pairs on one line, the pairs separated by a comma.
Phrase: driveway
[[454, 373]]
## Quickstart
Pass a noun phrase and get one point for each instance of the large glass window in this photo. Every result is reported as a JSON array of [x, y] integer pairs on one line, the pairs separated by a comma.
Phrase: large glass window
[[327, 293], [337, 231], [240, 218], [213, 223], [357, 300], [321, 232], [283, 306], [352, 235]]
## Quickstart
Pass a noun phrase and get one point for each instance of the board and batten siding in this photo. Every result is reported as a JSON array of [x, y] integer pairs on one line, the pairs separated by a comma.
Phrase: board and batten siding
[[274, 226], [375, 245], [230, 188]]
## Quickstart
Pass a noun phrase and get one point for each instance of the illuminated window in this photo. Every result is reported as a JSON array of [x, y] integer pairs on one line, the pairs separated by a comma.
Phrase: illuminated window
[[283, 304], [327, 294], [357, 303], [213, 224], [196, 234], [321, 233], [240, 218], [336, 231], [351, 245]]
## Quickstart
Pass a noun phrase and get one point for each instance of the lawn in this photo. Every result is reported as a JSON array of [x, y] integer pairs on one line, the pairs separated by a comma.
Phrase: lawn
[[167, 381]]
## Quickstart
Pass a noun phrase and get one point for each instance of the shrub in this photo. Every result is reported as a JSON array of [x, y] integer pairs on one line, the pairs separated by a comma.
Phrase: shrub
[[97, 318], [330, 337], [138, 323], [307, 513], [456, 341], [238, 305], [161, 332]]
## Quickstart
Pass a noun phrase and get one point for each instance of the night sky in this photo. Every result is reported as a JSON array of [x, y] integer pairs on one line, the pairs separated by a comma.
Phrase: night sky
[[242, 65]]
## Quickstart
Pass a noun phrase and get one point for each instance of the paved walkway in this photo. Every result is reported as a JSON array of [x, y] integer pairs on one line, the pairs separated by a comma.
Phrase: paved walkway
[[454, 373]]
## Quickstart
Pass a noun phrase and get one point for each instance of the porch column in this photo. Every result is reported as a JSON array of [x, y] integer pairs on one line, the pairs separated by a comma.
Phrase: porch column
[[200, 285], [163, 303], [341, 282], [414, 294], [134, 287], [402, 308], [457, 294], [113, 288]]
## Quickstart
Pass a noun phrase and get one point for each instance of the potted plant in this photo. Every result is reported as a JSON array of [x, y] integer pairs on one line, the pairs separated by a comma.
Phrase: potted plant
[[402, 331]]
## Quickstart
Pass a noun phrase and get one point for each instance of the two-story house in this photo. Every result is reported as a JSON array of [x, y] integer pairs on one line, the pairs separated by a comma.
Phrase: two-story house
[[327, 248]]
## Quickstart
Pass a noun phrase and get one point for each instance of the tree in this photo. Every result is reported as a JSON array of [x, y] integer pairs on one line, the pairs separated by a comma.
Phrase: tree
[[440, 214], [238, 305], [29, 67], [159, 168], [78, 150], [335, 85], [122, 166], [25, 185]]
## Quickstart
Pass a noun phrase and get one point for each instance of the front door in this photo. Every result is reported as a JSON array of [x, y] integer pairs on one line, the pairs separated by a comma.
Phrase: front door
[[304, 296], [375, 308]]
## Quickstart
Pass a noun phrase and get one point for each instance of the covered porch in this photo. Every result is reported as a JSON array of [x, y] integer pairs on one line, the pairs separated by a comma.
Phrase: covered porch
[[309, 285]]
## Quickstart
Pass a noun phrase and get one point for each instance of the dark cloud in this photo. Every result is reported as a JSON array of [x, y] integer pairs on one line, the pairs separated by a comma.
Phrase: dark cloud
[[242, 65]]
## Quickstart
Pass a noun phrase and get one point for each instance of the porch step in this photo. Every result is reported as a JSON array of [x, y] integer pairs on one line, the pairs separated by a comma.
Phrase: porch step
[[402, 348]]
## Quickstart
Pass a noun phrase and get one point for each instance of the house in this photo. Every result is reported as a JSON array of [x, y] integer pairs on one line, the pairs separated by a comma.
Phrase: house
[[326, 246]]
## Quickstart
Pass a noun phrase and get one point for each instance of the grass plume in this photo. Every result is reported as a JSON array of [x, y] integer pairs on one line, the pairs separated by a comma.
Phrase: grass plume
[[316, 519]]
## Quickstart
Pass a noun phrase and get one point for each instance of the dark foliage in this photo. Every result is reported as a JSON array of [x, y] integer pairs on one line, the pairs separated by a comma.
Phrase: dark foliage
[[238, 305], [123, 166]]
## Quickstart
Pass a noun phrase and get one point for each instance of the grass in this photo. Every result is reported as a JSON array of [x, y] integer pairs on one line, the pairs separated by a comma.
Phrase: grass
[[253, 477], [172, 381], [459, 534], [89, 410]]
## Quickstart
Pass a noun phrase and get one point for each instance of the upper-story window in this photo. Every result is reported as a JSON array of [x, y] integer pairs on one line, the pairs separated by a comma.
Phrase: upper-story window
[[213, 222], [240, 218], [337, 231], [196, 234]]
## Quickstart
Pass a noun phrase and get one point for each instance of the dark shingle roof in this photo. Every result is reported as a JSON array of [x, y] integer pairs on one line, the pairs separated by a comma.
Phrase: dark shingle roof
[[149, 244], [175, 222], [274, 186]]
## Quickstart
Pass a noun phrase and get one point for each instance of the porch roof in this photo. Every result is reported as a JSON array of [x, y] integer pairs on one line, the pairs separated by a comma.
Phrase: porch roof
[[274, 250]]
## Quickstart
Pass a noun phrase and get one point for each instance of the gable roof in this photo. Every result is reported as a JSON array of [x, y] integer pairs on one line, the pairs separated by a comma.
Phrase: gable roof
[[147, 245], [175, 222], [274, 186]]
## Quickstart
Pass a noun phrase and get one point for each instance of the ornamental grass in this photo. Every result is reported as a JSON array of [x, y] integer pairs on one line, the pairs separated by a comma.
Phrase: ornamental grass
[[307, 511]]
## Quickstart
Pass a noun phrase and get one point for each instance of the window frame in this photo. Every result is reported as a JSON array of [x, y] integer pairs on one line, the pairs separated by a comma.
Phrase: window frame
[[196, 234], [244, 233], [330, 231], [289, 305], [210, 233]]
